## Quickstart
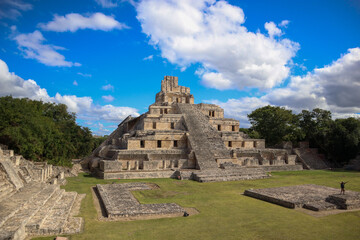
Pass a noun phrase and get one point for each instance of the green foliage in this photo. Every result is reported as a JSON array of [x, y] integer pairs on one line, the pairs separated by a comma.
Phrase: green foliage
[[43, 131], [250, 132], [339, 139], [343, 141], [316, 126], [275, 124]]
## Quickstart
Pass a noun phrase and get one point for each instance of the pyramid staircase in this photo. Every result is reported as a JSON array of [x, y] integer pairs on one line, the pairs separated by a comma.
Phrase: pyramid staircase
[[310, 158], [204, 139]]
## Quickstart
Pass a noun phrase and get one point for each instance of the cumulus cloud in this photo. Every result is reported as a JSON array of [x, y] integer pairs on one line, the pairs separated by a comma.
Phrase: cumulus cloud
[[32, 46], [212, 34], [284, 23], [12, 9], [73, 21], [334, 87], [107, 87], [108, 98], [272, 29], [11, 84]]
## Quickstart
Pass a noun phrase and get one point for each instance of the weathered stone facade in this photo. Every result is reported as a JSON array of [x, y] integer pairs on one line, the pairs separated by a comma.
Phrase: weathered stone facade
[[177, 134], [31, 201]]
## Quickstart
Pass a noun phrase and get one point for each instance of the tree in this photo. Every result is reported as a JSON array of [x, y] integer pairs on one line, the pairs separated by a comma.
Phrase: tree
[[316, 126], [275, 124], [343, 141], [43, 131]]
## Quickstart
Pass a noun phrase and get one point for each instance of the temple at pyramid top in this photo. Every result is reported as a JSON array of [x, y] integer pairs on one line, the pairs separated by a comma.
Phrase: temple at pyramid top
[[171, 92]]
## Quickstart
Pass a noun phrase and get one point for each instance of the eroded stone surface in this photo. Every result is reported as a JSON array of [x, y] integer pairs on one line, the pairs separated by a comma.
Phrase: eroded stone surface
[[119, 202], [312, 197]]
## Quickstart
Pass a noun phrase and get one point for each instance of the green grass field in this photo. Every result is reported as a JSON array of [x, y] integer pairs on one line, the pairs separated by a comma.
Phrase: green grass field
[[224, 212]]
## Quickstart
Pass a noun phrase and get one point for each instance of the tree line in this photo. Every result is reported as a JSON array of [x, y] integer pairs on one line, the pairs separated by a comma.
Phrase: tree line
[[48, 132], [43, 131], [339, 139]]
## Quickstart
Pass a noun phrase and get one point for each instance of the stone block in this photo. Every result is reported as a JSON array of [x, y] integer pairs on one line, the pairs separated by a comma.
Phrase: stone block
[[291, 159], [151, 165], [16, 160], [110, 166]]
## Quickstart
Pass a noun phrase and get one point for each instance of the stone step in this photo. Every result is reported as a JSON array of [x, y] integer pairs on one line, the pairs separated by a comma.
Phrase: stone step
[[18, 200], [230, 178], [320, 206], [74, 224], [310, 158], [11, 172], [233, 172], [229, 175], [15, 225], [6, 190], [59, 214], [33, 226], [2, 182], [205, 140]]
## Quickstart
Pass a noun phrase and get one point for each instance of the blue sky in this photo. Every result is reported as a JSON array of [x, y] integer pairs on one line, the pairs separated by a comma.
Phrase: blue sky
[[105, 58]]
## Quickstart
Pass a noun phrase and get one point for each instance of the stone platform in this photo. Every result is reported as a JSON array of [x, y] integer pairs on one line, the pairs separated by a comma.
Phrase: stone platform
[[312, 197], [120, 203]]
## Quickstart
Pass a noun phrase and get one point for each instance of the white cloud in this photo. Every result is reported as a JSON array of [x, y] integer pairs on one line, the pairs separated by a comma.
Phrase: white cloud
[[335, 87], [75, 83], [107, 3], [212, 33], [272, 29], [240, 108], [11, 84], [12, 8], [87, 75], [108, 98], [113, 3], [74, 21], [150, 57], [107, 87], [284, 23], [32, 46]]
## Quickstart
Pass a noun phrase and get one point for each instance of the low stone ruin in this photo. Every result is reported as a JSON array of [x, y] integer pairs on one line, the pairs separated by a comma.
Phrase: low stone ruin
[[312, 197], [119, 202], [31, 201]]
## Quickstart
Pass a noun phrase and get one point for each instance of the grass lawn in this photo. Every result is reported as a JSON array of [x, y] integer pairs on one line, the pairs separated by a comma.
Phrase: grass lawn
[[224, 212]]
